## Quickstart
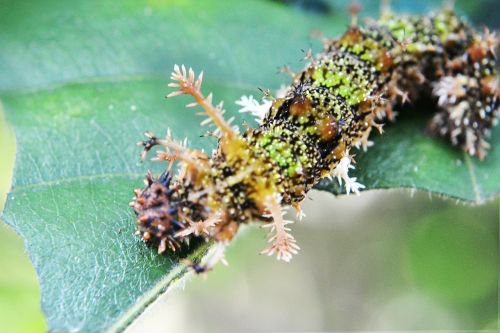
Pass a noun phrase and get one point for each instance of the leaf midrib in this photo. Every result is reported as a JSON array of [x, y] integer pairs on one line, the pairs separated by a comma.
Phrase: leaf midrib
[[164, 286]]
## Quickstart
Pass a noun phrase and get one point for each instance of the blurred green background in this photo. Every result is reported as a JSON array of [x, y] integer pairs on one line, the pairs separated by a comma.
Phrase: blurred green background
[[387, 260], [380, 262]]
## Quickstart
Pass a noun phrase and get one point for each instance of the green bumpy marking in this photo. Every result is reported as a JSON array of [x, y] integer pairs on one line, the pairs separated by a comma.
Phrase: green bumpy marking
[[345, 82]]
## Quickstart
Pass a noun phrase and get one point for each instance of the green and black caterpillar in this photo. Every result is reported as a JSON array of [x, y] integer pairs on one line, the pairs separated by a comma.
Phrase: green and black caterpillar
[[308, 131]]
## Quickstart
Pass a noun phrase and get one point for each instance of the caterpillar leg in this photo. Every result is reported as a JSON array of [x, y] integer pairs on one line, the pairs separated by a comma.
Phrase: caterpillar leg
[[341, 171], [214, 255]]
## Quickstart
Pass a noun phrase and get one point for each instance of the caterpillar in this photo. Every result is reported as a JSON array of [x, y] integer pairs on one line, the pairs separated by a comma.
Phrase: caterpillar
[[308, 131]]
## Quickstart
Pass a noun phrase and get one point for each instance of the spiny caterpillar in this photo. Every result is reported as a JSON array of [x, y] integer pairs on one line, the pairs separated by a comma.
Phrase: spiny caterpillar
[[308, 132]]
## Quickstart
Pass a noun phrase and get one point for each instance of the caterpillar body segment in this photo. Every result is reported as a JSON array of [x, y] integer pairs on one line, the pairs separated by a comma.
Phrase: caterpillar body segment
[[309, 131]]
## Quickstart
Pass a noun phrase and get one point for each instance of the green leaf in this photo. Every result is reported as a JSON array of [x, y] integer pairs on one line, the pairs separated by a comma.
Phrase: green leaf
[[81, 81]]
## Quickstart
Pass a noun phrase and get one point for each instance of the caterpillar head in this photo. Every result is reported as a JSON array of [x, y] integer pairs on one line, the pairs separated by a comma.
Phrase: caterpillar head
[[163, 212]]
